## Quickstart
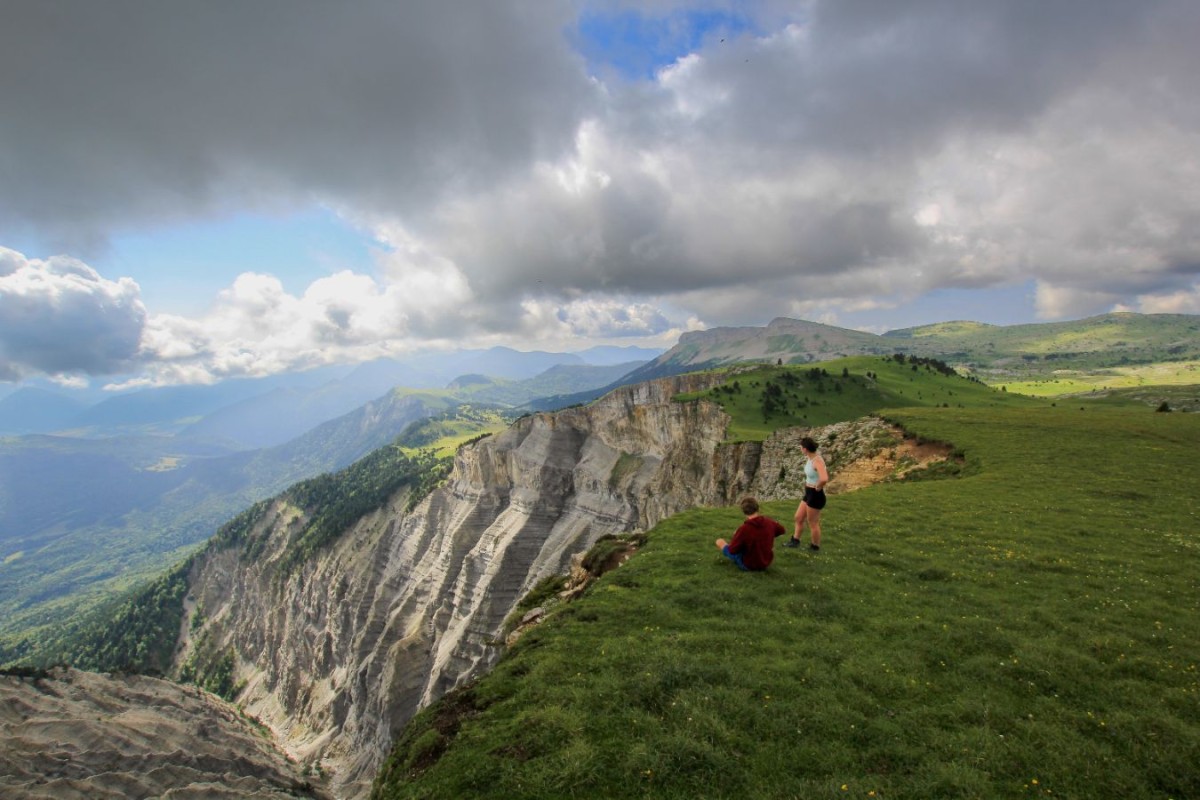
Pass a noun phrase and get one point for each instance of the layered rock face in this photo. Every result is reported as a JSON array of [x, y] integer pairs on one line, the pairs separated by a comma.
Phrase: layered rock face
[[83, 736], [407, 605]]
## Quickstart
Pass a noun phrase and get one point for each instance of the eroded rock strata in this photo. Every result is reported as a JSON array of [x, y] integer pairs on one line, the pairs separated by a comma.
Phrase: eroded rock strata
[[83, 736]]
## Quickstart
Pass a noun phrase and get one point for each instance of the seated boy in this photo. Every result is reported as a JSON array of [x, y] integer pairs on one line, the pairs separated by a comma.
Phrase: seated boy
[[753, 545]]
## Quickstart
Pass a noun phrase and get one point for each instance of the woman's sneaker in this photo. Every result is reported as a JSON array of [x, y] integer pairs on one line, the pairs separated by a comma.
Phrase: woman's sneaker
[[792, 542]]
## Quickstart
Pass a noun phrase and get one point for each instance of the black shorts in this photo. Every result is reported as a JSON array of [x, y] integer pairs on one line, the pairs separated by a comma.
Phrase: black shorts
[[814, 498]]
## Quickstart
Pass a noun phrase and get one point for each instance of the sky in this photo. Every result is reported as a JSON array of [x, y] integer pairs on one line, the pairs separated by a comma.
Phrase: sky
[[191, 192]]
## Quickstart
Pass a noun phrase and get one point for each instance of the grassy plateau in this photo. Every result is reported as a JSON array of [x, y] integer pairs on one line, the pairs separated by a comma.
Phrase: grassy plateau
[[1029, 629], [845, 389], [1175, 383]]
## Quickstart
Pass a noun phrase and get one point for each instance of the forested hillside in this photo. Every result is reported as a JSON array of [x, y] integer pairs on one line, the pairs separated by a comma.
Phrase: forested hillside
[[139, 632], [72, 562]]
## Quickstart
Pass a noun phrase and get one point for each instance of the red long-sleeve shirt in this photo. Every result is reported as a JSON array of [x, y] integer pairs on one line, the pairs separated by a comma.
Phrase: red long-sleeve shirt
[[754, 541]]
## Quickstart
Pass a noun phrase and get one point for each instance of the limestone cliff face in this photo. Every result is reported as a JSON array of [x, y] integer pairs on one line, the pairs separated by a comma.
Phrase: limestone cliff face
[[72, 735], [407, 605]]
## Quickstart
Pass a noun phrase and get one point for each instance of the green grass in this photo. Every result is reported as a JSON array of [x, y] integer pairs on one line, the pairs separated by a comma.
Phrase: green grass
[[444, 434], [1027, 631], [1105, 340], [1177, 398], [1175, 374], [847, 388]]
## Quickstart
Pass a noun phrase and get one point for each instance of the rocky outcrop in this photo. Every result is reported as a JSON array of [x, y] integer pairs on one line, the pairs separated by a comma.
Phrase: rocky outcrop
[[82, 736], [409, 604]]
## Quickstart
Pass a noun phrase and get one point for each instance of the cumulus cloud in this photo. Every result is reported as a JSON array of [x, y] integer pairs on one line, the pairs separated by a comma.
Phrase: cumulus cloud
[[826, 157], [58, 316], [1184, 301], [866, 155], [61, 318], [595, 318], [1059, 302], [257, 328]]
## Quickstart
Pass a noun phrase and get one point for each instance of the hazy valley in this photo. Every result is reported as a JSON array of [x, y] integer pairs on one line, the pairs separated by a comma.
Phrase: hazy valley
[[140, 480]]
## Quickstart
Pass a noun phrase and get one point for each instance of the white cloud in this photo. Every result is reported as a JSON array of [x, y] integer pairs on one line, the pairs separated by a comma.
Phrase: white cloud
[[593, 318], [1184, 301], [724, 188], [1066, 302], [255, 327], [61, 318]]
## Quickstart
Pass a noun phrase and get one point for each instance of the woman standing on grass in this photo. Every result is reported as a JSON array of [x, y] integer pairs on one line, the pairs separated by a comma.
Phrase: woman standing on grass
[[815, 478]]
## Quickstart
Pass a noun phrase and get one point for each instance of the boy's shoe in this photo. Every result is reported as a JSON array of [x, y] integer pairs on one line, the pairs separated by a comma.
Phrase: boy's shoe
[[791, 542]]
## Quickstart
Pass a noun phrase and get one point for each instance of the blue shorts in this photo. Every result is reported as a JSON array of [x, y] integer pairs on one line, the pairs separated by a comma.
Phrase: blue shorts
[[735, 558]]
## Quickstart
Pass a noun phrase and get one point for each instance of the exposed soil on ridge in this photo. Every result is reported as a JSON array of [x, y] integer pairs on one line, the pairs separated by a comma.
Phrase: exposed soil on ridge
[[890, 463]]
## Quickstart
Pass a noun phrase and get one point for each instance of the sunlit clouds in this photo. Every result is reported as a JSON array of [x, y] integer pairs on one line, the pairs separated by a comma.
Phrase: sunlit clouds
[[841, 161], [60, 317]]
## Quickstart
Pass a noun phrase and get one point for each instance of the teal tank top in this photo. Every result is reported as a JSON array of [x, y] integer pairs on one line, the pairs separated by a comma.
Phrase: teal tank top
[[811, 476]]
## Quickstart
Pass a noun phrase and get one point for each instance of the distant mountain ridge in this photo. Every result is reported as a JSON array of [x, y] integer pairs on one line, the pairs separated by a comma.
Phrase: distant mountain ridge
[[1110, 339], [248, 413], [1136, 338], [34, 410], [554, 382]]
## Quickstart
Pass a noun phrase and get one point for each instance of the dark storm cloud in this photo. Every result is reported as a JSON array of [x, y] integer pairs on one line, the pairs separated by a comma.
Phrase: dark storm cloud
[[117, 112], [921, 144], [903, 75]]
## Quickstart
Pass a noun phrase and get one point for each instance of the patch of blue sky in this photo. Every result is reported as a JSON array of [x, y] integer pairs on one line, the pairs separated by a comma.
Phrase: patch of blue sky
[[635, 43], [182, 268]]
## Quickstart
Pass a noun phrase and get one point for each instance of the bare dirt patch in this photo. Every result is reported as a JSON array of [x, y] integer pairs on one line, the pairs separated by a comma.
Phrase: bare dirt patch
[[893, 462]]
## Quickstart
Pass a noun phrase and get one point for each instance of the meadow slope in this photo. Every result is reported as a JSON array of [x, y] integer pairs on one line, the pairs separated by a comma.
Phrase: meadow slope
[[1027, 629]]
